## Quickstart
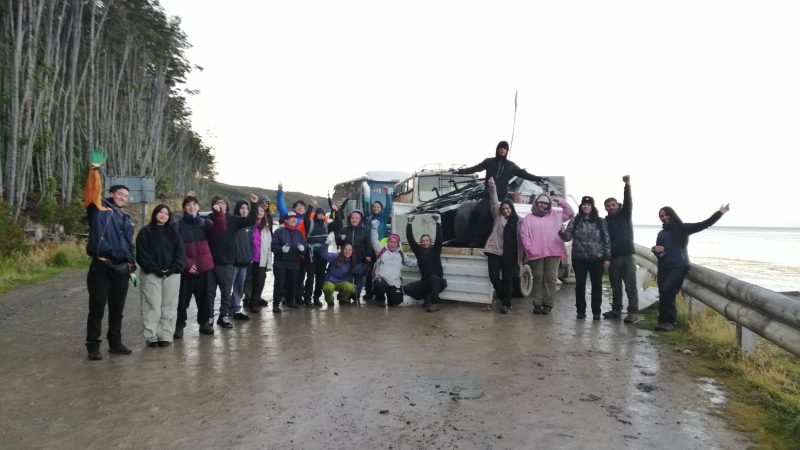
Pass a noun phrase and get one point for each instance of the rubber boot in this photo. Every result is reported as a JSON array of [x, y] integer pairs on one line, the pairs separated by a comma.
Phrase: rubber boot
[[94, 351]]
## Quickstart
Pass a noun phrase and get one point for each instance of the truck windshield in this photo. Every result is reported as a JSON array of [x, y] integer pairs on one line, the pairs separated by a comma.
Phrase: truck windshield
[[427, 186]]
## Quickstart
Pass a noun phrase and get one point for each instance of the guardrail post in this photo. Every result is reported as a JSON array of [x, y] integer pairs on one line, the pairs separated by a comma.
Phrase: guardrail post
[[746, 340], [696, 307]]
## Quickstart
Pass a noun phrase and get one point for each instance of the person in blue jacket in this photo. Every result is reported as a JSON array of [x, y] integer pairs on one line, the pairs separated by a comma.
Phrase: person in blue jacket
[[673, 260]]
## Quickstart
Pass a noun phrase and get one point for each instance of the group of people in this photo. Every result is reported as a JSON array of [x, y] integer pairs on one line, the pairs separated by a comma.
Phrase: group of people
[[232, 251]]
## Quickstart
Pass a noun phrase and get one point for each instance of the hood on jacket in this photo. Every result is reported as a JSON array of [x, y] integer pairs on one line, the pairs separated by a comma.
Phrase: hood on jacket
[[355, 211], [501, 144], [238, 205], [535, 208]]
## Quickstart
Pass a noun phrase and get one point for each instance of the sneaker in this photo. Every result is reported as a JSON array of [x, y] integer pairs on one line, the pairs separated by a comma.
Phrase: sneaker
[[152, 344], [95, 355], [613, 314], [581, 315], [178, 333], [225, 322], [631, 318], [207, 328], [546, 309], [164, 343], [263, 302], [241, 316], [505, 309], [120, 350], [665, 327], [537, 309]]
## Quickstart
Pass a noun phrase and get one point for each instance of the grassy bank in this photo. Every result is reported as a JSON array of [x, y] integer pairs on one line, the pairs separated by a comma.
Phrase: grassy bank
[[43, 261], [764, 388]]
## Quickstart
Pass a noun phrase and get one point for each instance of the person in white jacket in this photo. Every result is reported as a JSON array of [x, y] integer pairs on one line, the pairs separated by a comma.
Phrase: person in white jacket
[[389, 261], [262, 255]]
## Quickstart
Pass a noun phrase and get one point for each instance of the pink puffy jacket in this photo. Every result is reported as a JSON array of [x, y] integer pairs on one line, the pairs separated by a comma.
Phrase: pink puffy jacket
[[539, 235]]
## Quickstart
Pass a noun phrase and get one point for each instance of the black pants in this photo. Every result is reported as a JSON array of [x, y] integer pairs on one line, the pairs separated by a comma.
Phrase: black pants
[[500, 273], [315, 276], [285, 283], [300, 276], [105, 285], [384, 292], [431, 286], [257, 276], [197, 286], [594, 268], [669, 284]]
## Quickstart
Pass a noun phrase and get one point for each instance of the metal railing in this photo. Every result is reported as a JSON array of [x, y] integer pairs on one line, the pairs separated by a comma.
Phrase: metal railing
[[773, 316]]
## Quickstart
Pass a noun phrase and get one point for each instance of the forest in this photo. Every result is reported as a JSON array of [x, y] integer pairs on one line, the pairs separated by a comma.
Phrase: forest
[[80, 74]]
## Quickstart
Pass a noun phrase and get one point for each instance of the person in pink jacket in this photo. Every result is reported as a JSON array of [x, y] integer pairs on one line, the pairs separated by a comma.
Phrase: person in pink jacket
[[542, 247]]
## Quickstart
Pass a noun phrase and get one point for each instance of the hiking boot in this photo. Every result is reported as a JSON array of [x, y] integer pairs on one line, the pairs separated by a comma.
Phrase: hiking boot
[[613, 314], [164, 343], [152, 344], [241, 316], [665, 327], [119, 349], [546, 309], [595, 316], [178, 333], [225, 322], [581, 315], [94, 351], [263, 302], [538, 309], [631, 318], [207, 328], [433, 307], [505, 309]]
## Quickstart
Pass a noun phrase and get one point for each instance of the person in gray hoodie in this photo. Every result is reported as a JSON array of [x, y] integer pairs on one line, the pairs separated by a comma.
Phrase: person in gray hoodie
[[591, 253], [389, 261]]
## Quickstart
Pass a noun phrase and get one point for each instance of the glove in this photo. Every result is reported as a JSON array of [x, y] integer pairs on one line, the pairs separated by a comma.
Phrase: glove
[[375, 223], [410, 219], [135, 280], [330, 239], [436, 218], [97, 157], [285, 248], [301, 248]]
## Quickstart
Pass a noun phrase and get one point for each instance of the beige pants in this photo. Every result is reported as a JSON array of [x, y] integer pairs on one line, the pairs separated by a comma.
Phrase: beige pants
[[545, 279], [159, 306]]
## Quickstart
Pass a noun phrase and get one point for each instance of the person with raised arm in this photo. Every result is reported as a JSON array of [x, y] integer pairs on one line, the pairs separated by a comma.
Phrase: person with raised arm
[[389, 262], [428, 252], [671, 249], [502, 247], [623, 265]]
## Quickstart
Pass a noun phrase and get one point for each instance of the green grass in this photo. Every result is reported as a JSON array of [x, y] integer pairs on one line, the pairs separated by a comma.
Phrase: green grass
[[764, 388], [44, 261]]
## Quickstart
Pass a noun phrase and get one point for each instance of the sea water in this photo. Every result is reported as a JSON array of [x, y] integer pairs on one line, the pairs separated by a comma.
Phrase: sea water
[[768, 257]]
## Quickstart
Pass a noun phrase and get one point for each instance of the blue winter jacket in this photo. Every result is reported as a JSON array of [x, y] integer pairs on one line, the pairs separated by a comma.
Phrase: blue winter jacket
[[110, 233]]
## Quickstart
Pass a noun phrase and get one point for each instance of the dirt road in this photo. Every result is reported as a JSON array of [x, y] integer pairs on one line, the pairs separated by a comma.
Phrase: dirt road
[[352, 377]]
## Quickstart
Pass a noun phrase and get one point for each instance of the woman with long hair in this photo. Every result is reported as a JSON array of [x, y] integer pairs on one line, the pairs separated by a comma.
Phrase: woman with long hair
[[502, 246], [342, 269], [591, 254], [673, 260], [161, 255], [262, 254]]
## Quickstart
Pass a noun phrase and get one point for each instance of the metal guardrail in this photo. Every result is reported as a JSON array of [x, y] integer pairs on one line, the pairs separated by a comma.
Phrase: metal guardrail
[[773, 316]]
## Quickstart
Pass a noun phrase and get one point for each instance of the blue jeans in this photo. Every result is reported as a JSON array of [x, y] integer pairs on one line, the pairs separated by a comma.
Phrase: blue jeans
[[239, 276]]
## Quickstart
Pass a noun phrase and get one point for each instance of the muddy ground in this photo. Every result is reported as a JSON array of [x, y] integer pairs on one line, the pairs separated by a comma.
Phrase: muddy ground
[[351, 377]]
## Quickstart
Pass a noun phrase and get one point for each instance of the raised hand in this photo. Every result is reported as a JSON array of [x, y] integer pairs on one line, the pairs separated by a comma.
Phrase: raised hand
[[215, 207], [724, 208], [375, 223], [410, 219], [436, 218], [626, 179], [253, 198]]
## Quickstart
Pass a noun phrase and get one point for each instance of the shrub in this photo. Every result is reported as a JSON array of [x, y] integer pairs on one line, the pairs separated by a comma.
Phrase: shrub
[[12, 236]]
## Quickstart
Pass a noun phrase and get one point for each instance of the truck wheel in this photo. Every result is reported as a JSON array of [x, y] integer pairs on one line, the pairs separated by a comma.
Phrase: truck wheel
[[523, 286], [462, 228]]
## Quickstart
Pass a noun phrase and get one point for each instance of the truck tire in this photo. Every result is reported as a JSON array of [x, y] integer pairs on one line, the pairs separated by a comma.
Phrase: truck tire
[[462, 228], [523, 285]]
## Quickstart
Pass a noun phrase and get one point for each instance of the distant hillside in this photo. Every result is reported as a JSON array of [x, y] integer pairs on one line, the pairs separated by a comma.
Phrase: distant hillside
[[235, 193]]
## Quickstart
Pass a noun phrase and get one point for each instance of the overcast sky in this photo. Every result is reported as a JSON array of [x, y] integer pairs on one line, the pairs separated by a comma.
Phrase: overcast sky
[[699, 101]]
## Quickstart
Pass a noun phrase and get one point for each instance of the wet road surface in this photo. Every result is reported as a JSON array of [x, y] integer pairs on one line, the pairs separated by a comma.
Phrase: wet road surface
[[349, 377]]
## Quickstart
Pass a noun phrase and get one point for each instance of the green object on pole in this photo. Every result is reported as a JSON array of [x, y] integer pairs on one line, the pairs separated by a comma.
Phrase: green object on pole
[[97, 156]]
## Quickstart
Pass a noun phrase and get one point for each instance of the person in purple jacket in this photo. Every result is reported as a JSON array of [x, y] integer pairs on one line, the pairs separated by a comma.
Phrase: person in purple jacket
[[342, 269]]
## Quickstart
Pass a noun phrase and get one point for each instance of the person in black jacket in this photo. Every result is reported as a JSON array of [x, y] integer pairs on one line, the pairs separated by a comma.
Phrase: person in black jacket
[[501, 169], [288, 246], [161, 255], [243, 257], [623, 265], [673, 260], [357, 235], [429, 260], [224, 252], [317, 237]]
